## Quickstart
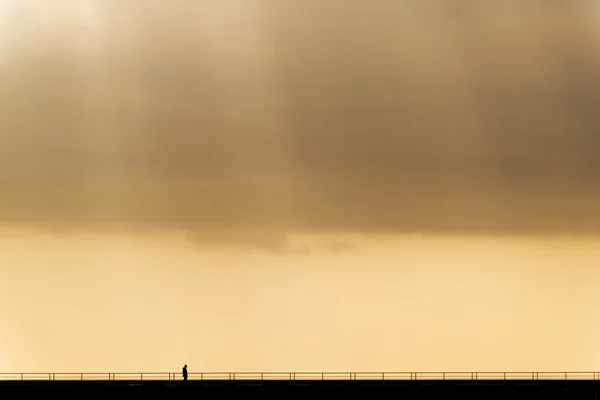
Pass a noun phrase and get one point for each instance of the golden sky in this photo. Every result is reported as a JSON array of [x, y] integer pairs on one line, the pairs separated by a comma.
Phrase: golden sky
[[300, 185]]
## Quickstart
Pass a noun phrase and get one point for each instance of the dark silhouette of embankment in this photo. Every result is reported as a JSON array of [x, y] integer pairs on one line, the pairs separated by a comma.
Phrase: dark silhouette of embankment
[[330, 389]]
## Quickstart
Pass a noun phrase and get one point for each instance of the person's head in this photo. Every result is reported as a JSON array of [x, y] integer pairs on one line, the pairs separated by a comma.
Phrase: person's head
[[185, 366]]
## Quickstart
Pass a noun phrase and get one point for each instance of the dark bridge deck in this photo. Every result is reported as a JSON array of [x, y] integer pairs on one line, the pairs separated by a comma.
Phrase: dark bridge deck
[[116, 386]]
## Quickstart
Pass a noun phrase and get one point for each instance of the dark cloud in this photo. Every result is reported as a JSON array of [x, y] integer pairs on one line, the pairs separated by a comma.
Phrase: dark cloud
[[269, 241], [302, 116]]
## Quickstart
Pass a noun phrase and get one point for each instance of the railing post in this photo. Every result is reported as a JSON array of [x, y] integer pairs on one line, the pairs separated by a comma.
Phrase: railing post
[[82, 376], [565, 375], [141, 377], [21, 377]]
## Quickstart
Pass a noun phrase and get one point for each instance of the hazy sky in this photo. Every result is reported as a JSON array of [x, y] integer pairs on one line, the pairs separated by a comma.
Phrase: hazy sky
[[299, 185]]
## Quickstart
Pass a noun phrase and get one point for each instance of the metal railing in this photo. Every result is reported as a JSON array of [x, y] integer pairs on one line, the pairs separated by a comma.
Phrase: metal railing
[[302, 376]]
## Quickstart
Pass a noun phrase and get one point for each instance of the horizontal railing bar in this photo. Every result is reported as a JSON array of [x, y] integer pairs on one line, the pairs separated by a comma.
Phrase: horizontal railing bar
[[242, 376], [304, 373]]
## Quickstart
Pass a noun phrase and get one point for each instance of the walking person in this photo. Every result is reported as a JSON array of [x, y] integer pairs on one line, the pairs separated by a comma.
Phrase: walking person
[[184, 372]]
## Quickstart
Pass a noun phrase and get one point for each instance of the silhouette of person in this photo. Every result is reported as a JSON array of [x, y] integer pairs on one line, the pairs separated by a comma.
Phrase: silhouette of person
[[184, 372]]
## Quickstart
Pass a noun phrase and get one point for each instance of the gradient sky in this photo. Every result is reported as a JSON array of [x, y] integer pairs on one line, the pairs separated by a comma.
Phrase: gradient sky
[[304, 185]]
